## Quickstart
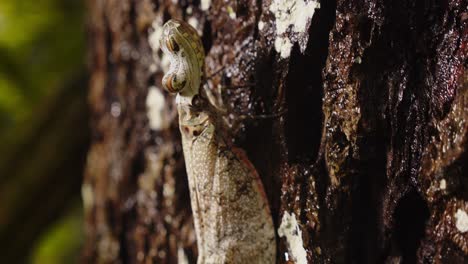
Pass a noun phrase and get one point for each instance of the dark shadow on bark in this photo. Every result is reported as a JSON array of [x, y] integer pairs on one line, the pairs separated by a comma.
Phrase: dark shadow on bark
[[411, 215]]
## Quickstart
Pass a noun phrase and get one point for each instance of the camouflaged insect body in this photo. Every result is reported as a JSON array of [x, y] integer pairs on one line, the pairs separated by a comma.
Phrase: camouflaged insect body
[[232, 218]]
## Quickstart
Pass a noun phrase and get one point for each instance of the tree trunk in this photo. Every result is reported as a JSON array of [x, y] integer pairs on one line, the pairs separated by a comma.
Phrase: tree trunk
[[354, 113]]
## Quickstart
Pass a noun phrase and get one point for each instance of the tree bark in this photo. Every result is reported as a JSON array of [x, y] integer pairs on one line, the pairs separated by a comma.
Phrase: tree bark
[[356, 122]]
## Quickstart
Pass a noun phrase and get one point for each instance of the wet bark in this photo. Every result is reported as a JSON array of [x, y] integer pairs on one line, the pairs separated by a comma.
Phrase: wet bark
[[363, 151]]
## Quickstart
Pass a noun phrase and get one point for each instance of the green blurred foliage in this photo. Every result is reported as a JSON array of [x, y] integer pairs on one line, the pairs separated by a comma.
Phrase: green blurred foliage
[[41, 46], [62, 242]]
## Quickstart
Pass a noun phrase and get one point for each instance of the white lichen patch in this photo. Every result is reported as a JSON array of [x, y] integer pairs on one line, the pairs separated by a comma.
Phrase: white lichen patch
[[154, 35], [205, 4], [443, 184], [290, 229], [87, 195], [293, 15], [283, 46], [358, 60], [231, 12], [462, 220], [181, 256], [168, 191], [116, 109], [155, 109], [194, 23], [261, 25]]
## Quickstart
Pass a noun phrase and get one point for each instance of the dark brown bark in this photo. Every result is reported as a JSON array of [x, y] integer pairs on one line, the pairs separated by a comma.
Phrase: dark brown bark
[[366, 144]]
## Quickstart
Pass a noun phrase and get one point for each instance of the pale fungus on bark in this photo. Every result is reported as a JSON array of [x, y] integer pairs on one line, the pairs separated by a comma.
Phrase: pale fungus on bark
[[291, 19], [462, 220], [291, 231], [155, 109]]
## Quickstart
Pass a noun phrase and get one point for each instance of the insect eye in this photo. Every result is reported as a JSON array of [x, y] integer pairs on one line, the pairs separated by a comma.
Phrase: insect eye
[[178, 83]]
